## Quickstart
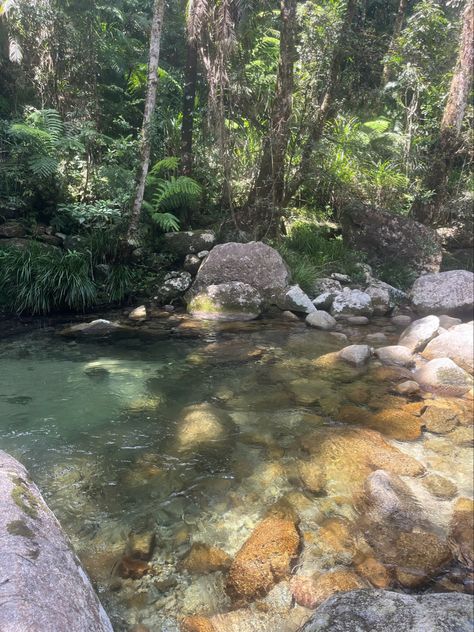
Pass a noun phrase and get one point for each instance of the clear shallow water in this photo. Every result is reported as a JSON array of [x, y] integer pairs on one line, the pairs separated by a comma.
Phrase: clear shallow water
[[99, 425]]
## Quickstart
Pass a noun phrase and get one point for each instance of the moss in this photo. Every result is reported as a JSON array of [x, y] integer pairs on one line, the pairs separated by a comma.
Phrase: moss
[[23, 498], [19, 527], [204, 304]]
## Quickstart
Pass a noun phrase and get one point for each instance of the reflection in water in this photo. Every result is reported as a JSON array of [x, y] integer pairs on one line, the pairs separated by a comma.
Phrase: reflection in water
[[144, 447]]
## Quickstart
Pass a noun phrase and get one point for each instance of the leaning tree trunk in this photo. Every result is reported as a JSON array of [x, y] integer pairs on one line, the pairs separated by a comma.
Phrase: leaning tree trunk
[[262, 211], [325, 104], [448, 143], [150, 102], [397, 29], [189, 98]]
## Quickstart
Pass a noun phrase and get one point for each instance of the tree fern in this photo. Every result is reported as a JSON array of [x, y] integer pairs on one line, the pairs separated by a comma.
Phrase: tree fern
[[165, 166], [175, 194]]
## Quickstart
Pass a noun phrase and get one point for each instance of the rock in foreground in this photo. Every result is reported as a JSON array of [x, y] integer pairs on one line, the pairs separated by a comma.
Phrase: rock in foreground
[[385, 611], [226, 302], [457, 344], [42, 584]]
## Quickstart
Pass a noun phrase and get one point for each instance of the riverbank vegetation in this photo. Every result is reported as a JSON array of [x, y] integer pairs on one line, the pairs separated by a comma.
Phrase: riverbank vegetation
[[120, 121]]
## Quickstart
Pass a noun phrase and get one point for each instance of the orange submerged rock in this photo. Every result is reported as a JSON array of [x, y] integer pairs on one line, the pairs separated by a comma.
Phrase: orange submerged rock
[[203, 558], [311, 592], [264, 559]]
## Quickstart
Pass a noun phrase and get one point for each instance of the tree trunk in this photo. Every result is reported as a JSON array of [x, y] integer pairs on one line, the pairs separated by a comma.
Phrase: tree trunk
[[397, 29], [150, 102], [262, 210], [324, 106], [189, 98], [448, 143]]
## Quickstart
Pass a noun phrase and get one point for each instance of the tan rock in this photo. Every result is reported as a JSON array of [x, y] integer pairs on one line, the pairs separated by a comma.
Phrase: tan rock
[[264, 559], [311, 476], [202, 426], [203, 558], [394, 423], [196, 624], [311, 592], [439, 420], [140, 545], [440, 486], [461, 533], [419, 556], [374, 572]]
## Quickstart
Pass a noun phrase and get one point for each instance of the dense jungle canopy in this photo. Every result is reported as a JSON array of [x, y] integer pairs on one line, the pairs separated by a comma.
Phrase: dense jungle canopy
[[123, 120]]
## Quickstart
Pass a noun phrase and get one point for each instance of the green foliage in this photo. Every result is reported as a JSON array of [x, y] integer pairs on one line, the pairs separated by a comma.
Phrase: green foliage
[[38, 280], [94, 215]]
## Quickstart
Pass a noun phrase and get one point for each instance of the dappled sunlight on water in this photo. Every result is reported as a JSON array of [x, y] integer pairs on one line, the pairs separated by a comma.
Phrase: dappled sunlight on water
[[194, 439]]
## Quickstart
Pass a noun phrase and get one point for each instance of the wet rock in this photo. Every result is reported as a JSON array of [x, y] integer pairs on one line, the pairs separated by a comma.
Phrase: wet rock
[[450, 293], [374, 572], [388, 502], [384, 297], [227, 302], [463, 437], [401, 320], [191, 264], [311, 476], [139, 313], [419, 556], [335, 537], [348, 455], [295, 300], [352, 303], [440, 420], [203, 427], [419, 333], [395, 354], [203, 558], [355, 354], [358, 393], [264, 559], [457, 344], [461, 531], [99, 327], [378, 338], [130, 568], [389, 238], [445, 377], [311, 592], [140, 545], [375, 610], [254, 264], [439, 486], [196, 624], [189, 242], [357, 320], [174, 285], [408, 388], [42, 584], [390, 374], [321, 320]]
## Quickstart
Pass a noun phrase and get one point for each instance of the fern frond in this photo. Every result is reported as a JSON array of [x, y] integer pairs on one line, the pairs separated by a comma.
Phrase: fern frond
[[160, 168], [166, 221], [176, 193]]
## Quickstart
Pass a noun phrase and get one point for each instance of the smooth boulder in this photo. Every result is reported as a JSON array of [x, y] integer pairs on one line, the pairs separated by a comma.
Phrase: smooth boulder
[[450, 293], [386, 611], [457, 344], [445, 377], [254, 263], [321, 320], [227, 302], [42, 583], [419, 333]]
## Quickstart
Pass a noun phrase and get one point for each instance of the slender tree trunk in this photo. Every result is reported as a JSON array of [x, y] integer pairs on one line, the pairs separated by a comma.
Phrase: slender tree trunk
[[325, 104], [189, 98], [448, 143], [263, 208], [397, 29], [150, 102]]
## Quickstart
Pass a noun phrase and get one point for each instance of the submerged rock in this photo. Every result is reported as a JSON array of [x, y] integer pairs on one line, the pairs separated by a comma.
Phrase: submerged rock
[[321, 320], [311, 592], [419, 556], [99, 327], [461, 531], [203, 427], [381, 610], [440, 486], [226, 301], [203, 558], [42, 584], [264, 559], [450, 293]]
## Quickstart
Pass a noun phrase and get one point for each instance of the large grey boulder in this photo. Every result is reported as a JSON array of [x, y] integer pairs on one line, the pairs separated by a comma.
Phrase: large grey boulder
[[227, 302], [457, 343], [189, 242], [385, 611], [351, 303], [42, 584], [450, 293], [419, 333], [295, 300], [254, 263], [391, 239]]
